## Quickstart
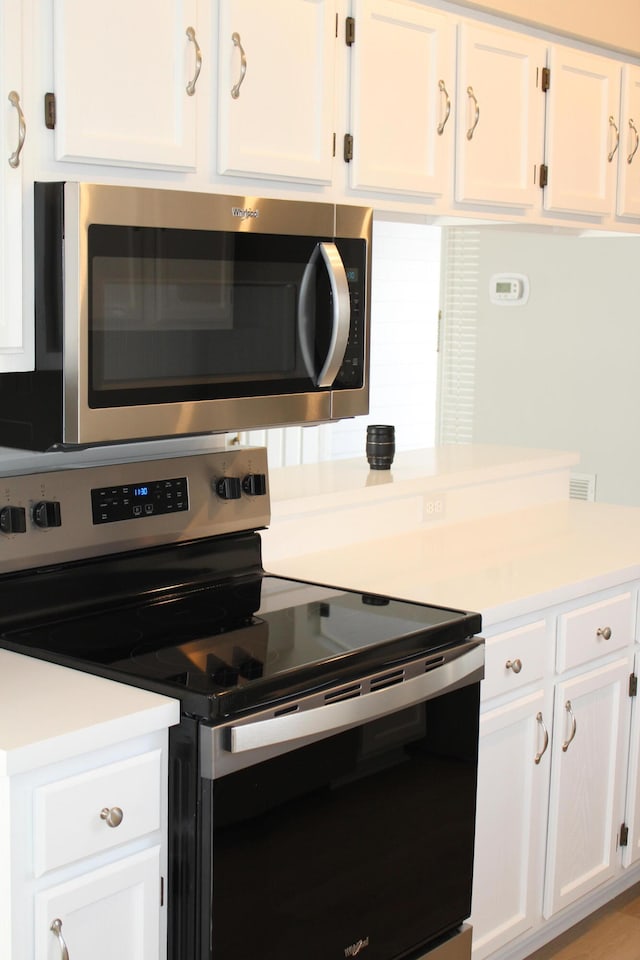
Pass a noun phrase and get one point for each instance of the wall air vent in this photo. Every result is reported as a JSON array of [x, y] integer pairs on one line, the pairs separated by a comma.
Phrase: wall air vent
[[582, 486]]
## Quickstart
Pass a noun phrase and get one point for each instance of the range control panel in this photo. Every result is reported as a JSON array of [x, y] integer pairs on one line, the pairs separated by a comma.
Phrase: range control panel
[[71, 514]]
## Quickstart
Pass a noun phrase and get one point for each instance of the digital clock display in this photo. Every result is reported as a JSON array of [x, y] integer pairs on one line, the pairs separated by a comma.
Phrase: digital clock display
[[141, 491]]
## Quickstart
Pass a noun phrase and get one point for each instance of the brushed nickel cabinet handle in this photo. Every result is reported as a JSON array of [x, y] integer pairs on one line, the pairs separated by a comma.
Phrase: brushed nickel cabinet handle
[[515, 665], [112, 816], [604, 632], [538, 757], [14, 159], [612, 152], [473, 126], [633, 127], [235, 89], [191, 86], [447, 107], [56, 928], [574, 726]]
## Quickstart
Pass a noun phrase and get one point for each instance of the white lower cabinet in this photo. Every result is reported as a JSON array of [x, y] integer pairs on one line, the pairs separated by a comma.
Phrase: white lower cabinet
[[558, 771]]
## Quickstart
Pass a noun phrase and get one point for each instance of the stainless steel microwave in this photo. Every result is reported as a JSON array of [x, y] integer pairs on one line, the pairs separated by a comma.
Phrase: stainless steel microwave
[[163, 313]]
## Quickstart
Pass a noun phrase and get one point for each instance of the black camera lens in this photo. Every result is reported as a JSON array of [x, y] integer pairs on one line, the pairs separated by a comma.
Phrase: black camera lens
[[381, 446]]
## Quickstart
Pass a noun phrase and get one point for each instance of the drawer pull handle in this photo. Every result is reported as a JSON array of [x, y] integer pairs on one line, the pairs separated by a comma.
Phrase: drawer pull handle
[[538, 757], [574, 726], [515, 665], [112, 816], [56, 928], [604, 632], [14, 159]]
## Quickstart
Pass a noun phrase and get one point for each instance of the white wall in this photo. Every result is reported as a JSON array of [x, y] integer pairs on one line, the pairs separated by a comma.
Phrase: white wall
[[564, 370]]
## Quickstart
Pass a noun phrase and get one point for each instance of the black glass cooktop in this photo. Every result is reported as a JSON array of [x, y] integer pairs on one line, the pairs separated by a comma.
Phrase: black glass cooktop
[[244, 643]]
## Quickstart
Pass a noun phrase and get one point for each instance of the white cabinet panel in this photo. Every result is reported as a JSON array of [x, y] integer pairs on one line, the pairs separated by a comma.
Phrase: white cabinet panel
[[500, 116], [583, 105], [402, 90], [121, 72], [628, 154], [111, 912], [514, 659], [590, 743], [595, 630], [276, 69]]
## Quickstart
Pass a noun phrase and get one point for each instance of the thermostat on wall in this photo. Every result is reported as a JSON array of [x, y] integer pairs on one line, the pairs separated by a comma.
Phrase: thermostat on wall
[[509, 289]]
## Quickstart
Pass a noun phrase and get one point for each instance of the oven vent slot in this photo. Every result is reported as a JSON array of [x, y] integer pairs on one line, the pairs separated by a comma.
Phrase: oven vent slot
[[387, 680], [346, 693], [432, 663], [283, 711]]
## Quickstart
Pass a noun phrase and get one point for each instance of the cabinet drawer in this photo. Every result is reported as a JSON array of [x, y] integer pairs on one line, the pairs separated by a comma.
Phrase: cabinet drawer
[[594, 631], [72, 817], [514, 659]]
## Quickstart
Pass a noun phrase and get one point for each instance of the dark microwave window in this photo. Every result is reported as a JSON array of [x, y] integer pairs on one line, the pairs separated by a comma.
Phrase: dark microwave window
[[179, 314]]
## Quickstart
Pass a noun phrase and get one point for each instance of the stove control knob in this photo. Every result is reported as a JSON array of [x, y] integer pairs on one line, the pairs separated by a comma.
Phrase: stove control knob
[[228, 488], [13, 520], [255, 484], [46, 513]]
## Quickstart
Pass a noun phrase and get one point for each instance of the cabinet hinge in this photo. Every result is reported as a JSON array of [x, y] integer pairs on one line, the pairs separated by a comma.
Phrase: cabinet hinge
[[544, 175], [348, 147], [633, 685], [624, 835], [334, 145], [50, 111], [545, 79], [350, 31], [162, 891]]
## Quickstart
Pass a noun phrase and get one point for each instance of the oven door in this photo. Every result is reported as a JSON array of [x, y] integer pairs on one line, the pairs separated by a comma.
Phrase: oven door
[[346, 828]]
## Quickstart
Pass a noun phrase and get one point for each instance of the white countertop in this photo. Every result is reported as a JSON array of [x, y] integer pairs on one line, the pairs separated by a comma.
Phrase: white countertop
[[49, 713], [503, 566]]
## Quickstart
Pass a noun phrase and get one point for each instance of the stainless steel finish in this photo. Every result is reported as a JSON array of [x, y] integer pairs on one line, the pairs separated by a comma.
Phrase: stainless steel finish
[[447, 107], [574, 726], [633, 127], [191, 86], [604, 632], [78, 538], [538, 757], [471, 95], [515, 665], [328, 252], [14, 159], [240, 744], [612, 152], [56, 928], [101, 203], [235, 89], [112, 816]]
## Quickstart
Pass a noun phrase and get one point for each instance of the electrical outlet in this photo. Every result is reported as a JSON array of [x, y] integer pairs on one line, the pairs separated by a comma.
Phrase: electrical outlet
[[433, 507]]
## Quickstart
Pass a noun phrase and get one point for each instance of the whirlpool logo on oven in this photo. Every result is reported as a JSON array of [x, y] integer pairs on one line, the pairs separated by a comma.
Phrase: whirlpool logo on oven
[[244, 213], [354, 949]]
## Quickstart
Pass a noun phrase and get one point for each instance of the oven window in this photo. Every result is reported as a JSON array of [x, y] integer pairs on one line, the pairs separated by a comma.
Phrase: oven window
[[191, 314], [366, 835]]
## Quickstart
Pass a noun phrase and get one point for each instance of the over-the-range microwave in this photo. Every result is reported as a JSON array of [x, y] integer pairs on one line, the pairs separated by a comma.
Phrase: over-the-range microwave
[[163, 313]]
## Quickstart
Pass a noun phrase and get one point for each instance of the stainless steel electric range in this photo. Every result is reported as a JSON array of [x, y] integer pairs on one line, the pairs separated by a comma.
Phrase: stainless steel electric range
[[323, 776]]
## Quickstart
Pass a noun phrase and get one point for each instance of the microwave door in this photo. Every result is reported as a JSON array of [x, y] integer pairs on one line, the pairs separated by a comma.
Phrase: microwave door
[[325, 255]]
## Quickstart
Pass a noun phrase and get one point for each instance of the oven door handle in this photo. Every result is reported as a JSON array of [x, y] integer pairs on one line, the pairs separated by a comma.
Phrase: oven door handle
[[341, 314], [456, 672]]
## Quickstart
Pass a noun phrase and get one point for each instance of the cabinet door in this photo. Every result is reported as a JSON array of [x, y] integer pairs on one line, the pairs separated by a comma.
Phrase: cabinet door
[[590, 737], [276, 88], [628, 154], [631, 852], [510, 823], [108, 913], [500, 116], [402, 78], [121, 72], [583, 105], [16, 339]]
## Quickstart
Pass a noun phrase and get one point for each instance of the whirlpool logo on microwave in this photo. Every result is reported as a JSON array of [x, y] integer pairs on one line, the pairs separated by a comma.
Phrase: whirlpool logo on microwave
[[354, 949], [244, 213]]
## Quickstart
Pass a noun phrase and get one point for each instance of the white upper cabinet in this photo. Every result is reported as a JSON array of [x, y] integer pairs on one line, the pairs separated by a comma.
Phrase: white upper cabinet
[[582, 130], [500, 116], [276, 75], [126, 82], [16, 339], [402, 92], [628, 155]]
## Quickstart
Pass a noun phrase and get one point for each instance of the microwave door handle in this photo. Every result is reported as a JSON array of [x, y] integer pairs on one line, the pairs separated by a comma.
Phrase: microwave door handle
[[454, 673], [341, 319]]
